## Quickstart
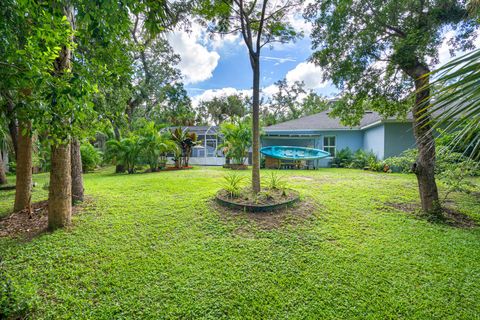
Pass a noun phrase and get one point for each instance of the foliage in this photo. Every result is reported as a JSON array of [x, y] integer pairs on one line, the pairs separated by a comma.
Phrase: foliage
[[91, 157], [233, 184], [124, 152], [237, 139]]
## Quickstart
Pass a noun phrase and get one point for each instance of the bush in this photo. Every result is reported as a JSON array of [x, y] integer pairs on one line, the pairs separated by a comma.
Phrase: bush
[[402, 163], [343, 158], [91, 157], [364, 160]]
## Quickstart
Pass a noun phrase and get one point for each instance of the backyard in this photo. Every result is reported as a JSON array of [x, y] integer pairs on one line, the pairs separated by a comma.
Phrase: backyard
[[155, 246]]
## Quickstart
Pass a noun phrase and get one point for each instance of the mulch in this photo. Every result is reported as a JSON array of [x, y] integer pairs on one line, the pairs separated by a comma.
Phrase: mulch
[[22, 225]]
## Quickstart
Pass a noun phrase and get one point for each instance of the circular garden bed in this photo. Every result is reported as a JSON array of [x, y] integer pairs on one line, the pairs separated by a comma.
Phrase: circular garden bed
[[265, 200]]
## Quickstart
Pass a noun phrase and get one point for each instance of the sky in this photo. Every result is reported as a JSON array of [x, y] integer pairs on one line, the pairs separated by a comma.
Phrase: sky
[[220, 66]]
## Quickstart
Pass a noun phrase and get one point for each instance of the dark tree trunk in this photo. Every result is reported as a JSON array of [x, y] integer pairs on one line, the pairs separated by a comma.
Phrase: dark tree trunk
[[424, 167], [256, 124], [3, 176], [23, 189], [77, 178], [60, 193]]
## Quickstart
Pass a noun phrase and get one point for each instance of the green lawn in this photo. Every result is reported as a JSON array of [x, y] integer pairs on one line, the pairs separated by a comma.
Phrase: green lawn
[[152, 247]]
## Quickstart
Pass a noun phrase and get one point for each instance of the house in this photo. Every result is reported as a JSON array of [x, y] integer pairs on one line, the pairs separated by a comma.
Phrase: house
[[384, 137]]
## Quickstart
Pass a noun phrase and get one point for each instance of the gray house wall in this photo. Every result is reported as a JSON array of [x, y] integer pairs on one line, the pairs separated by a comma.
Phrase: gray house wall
[[398, 138], [374, 140]]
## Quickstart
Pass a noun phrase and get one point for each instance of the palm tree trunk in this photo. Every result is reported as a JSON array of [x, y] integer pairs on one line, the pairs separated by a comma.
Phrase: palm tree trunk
[[77, 178], [256, 125], [23, 189], [60, 193]]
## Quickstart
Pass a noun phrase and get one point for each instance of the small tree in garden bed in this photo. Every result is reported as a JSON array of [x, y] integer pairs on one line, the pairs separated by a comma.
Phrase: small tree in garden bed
[[237, 138]]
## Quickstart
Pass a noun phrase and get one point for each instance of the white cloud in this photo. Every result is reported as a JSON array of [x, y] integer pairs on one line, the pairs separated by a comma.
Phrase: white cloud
[[197, 62], [309, 73]]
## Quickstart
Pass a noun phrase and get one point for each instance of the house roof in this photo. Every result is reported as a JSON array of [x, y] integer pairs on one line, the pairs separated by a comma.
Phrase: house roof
[[322, 121]]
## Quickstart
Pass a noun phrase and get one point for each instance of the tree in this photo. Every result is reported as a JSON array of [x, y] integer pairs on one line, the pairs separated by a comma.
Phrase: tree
[[220, 109], [173, 107], [376, 51], [260, 23]]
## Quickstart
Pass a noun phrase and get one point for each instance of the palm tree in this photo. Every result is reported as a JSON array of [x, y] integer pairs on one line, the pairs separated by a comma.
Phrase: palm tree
[[125, 152], [155, 146], [237, 137], [456, 102]]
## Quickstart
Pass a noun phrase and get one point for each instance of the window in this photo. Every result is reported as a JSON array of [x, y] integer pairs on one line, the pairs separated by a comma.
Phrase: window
[[329, 145]]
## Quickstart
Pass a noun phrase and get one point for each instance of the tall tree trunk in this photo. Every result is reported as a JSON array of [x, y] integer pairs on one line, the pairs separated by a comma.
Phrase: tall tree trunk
[[3, 176], [77, 178], [256, 124], [23, 189], [424, 167], [60, 193]]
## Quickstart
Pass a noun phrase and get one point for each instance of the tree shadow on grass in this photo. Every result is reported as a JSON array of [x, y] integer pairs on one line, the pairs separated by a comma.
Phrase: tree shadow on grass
[[451, 216]]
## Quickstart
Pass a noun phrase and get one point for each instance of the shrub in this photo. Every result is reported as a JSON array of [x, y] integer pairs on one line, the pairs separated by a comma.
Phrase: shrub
[[402, 163], [363, 159], [343, 158], [91, 157]]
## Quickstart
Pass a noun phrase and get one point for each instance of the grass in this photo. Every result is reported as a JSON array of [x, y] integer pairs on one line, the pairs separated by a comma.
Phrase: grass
[[152, 247]]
